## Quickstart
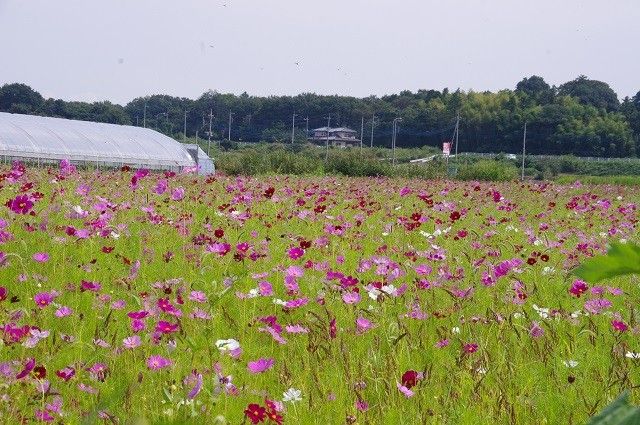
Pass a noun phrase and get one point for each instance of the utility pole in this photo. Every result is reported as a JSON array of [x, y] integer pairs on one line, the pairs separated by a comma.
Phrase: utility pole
[[293, 128], [326, 155], [457, 133], [524, 145], [307, 133], [361, 133], [209, 138], [373, 121], [230, 115], [393, 138], [184, 137], [137, 122], [144, 117]]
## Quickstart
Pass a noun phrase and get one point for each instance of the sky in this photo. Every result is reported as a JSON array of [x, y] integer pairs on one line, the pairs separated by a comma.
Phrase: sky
[[118, 50]]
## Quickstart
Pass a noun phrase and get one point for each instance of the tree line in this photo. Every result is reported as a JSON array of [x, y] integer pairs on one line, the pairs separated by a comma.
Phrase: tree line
[[583, 117]]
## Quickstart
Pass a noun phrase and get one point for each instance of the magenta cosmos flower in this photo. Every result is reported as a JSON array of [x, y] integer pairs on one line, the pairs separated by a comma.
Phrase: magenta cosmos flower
[[43, 299], [260, 365], [21, 204], [158, 362], [295, 253], [41, 257]]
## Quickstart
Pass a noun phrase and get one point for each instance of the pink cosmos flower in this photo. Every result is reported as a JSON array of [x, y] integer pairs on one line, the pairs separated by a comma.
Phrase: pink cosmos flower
[[597, 305], [265, 288], [161, 187], [362, 405], [195, 379], [44, 416], [157, 362], [442, 343], [131, 342], [404, 390], [260, 365], [297, 302], [363, 325], [198, 297], [296, 329], [41, 257], [178, 193], [351, 297], [535, 330]]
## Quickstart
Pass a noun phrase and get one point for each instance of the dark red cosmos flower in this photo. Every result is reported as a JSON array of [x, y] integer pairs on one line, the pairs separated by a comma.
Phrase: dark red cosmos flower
[[531, 261], [305, 244], [410, 378], [20, 204], [40, 372], [218, 233], [269, 192], [333, 329], [544, 257], [66, 373], [272, 412], [255, 413], [107, 249], [3, 293], [454, 216], [275, 416]]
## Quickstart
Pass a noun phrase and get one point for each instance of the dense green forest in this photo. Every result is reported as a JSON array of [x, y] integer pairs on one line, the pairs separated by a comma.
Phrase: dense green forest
[[582, 117]]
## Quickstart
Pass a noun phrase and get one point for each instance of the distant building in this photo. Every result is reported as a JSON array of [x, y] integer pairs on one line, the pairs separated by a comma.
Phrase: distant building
[[338, 137]]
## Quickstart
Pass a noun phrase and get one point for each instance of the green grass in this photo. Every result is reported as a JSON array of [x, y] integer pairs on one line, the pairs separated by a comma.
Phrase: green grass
[[512, 378], [610, 180]]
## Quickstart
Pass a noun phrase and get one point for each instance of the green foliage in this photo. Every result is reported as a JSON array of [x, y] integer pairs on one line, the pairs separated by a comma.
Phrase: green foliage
[[611, 180], [620, 412], [621, 259], [591, 92], [488, 170], [583, 117]]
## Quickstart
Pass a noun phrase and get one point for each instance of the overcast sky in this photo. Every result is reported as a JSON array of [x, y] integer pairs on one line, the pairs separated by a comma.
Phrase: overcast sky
[[121, 49]]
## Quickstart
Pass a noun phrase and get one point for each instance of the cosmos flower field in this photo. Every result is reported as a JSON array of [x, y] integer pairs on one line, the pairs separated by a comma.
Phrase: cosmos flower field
[[171, 298]]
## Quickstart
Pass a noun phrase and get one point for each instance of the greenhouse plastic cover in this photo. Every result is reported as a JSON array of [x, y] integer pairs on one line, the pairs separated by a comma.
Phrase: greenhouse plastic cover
[[35, 137]]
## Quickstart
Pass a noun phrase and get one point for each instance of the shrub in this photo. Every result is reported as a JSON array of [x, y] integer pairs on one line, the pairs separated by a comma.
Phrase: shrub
[[487, 170]]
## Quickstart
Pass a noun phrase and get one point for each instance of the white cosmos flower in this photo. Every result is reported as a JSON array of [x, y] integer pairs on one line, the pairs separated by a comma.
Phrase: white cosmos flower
[[455, 330], [292, 395], [632, 355], [570, 363], [227, 344]]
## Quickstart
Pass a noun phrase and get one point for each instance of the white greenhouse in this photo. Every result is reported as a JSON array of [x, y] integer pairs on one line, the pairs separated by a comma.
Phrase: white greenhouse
[[45, 140]]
